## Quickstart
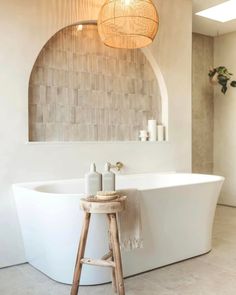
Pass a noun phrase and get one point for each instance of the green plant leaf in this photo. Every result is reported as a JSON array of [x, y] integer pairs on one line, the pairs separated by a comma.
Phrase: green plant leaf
[[222, 78], [233, 84], [224, 89], [212, 73]]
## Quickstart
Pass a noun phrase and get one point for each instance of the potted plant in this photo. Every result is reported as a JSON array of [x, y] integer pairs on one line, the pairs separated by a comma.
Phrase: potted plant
[[221, 76]]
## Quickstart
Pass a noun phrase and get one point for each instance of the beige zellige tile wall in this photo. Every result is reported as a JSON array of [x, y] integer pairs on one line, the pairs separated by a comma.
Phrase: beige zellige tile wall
[[202, 104], [81, 90]]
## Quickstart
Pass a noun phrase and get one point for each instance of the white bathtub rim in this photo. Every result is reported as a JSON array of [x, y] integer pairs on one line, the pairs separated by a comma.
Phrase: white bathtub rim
[[35, 186]]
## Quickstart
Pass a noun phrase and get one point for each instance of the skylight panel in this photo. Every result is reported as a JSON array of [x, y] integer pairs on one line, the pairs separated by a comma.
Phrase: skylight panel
[[223, 12]]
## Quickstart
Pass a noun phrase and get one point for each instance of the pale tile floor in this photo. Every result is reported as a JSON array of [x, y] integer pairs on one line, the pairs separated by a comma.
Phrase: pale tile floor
[[211, 274]]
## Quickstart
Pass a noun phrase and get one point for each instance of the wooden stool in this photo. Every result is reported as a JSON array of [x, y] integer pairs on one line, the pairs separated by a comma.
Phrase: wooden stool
[[111, 259]]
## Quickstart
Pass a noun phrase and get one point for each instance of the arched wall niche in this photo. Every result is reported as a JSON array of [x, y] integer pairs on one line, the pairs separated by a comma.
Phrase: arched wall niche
[[81, 90]]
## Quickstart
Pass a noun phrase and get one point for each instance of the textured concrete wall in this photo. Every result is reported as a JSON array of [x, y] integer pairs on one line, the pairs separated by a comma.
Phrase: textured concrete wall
[[225, 120], [202, 104]]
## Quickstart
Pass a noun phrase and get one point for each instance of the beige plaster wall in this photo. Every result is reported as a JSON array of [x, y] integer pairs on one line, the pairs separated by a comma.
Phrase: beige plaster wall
[[25, 26], [225, 120], [202, 104]]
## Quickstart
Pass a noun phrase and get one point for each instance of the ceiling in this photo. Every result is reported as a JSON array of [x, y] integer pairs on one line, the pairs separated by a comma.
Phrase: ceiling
[[206, 26]]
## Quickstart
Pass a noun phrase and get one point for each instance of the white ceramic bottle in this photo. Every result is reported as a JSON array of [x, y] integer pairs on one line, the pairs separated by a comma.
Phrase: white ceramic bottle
[[93, 181], [108, 179]]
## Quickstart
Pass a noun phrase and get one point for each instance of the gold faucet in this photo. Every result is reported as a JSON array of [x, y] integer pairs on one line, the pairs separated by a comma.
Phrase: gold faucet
[[118, 166]]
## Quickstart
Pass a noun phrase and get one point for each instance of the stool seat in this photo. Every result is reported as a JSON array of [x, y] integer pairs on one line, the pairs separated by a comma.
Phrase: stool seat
[[113, 257], [103, 207]]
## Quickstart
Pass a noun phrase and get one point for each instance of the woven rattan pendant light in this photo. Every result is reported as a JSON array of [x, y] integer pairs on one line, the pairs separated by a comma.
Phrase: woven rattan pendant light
[[128, 24]]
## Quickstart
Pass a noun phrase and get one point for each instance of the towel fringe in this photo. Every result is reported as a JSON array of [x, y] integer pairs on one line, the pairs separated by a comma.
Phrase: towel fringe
[[131, 244]]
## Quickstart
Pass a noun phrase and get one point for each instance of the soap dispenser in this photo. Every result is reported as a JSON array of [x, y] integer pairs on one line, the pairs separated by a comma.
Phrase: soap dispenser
[[93, 181], [108, 179]]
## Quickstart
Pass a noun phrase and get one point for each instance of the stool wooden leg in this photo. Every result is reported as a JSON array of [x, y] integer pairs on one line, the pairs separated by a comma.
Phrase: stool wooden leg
[[80, 254], [116, 253], [114, 283]]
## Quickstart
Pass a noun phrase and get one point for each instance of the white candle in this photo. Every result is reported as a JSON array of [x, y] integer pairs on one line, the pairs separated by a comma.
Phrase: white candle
[[152, 130], [160, 132]]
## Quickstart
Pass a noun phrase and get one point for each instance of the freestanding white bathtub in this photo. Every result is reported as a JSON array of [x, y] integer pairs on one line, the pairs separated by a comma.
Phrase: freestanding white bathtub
[[177, 217]]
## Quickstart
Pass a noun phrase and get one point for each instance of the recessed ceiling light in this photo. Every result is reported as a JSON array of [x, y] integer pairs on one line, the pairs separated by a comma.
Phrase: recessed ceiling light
[[223, 12]]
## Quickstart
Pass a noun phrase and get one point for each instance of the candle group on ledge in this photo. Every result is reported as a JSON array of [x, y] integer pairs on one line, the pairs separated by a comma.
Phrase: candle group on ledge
[[154, 132]]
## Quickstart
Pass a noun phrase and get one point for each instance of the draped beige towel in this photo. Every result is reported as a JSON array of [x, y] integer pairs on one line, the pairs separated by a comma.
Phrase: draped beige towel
[[130, 222]]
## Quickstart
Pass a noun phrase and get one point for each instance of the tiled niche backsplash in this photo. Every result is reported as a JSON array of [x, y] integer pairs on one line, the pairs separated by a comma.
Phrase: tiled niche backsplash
[[81, 90]]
